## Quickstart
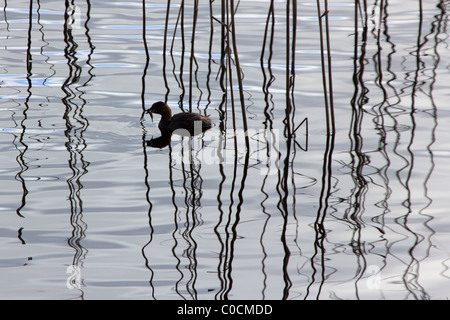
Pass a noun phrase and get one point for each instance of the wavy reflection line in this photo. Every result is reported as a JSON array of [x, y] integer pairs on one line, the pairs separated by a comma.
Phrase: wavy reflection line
[[268, 125], [5, 15], [20, 236], [190, 219], [176, 225], [283, 207], [144, 150], [291, 151], [358, 157], [76, 125], [186, 219], [221, 265], [380, 111], [196, 203], [360, 160], [22, 147], [238, 213], [327, 168], [232, 223], [195, 206], [230, 236], [149, 214], [319, 224], [286, 172], [384, 112], [229, 221], [46, 44], [411, 275], [285, 186], [438, 30]]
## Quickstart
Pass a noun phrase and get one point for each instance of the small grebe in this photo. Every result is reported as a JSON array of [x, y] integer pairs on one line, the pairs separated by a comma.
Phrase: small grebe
[[192, 122]]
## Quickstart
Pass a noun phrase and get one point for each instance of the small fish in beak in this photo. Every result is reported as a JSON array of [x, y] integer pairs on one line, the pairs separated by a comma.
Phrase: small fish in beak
[[150, 113]]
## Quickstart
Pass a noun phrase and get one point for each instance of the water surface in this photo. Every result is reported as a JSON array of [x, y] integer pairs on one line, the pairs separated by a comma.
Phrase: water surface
[[89, 210]]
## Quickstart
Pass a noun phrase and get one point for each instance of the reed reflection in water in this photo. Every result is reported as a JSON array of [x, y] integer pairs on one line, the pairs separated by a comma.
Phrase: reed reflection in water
[[398, 105], [319, 180]]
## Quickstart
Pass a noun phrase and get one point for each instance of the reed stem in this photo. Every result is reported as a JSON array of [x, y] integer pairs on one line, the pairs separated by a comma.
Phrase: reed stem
[[191, 60], [238, 72], [327, 85]]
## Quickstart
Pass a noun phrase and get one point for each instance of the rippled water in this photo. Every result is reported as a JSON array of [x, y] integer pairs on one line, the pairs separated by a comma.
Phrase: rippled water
[[88, 209]]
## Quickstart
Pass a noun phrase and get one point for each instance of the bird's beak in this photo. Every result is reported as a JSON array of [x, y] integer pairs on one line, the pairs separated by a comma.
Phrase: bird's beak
[[150, 113]]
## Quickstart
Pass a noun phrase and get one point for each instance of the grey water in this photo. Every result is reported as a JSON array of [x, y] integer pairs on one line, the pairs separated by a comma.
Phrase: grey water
[[90, 210]]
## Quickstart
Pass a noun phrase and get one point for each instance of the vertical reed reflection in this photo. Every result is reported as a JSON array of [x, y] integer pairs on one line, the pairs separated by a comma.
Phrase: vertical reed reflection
[[221, 264], [397, 118], [187, 218], [358, 158], [419, 115], [318, 259], [319, 256], [175, 232], [21, 146], [286, 171], [226, 222], [144, 143], [233, 178], [354, 215], [268, 79], [229, 223], [438, 30], [76, 124], [187, 215], [45, 46]]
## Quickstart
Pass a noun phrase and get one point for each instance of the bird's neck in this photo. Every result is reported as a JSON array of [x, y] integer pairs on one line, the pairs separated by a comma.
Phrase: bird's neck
[[166, 115]]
